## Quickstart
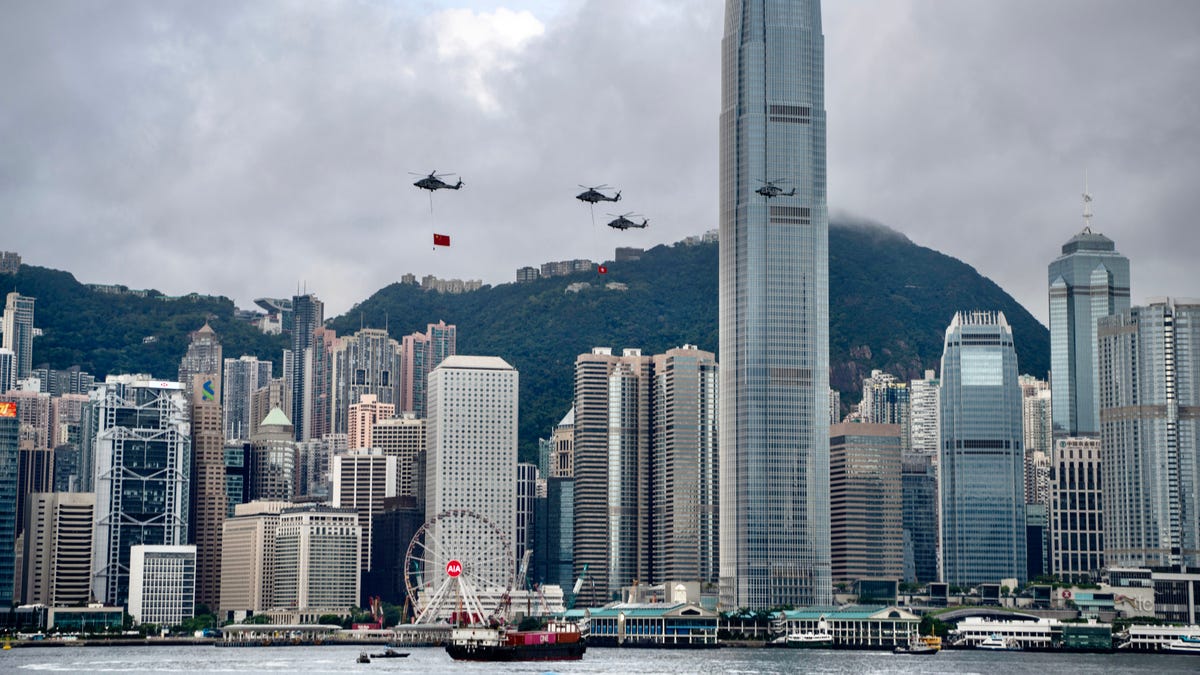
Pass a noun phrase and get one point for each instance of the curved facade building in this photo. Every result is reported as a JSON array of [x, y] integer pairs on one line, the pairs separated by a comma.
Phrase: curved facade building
[[774, 307]]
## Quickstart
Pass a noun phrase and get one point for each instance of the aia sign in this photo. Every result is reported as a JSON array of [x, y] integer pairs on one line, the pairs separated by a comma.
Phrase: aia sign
[[453, 568]]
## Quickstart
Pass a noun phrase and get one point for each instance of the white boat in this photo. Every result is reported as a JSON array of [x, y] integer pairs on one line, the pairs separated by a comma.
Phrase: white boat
[[998, 643], [1186, 644], [809, 640]]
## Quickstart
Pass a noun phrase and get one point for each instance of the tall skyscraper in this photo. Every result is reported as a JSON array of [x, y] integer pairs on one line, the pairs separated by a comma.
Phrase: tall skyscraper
[[362, 480], [316, 561], [273, 468], [402, 437], [18, 331], [1149, 358], [141, 462], [920, 508], [9, 441], [1088, 281], [203, 357], [885, 400], [982, 458], [866, 509], [308, 314], [210, 500], [774, 307], [420, 354], [472, 448], [58, 549], [1076, 510], [364, 364], [243, 376], [925, 414]]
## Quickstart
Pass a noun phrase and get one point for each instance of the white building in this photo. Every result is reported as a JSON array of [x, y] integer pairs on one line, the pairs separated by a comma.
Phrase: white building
[[472, 448], [248, 559], [925, 423], [162, 584], [316, 561], [362, 479]]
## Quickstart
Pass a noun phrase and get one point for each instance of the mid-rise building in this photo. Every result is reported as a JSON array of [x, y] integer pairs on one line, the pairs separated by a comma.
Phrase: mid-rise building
[[17, 328], [242, 377], [401, 437], [1149, 391], [362, 417], [141, 458], [392, 529], [57, 555], [273, 394], [248, 559], [554, 534], [362, 480], [162, 584], [317, 567], [562, 448], [1076, 510], [866, 501], [982, 459], [472, 450], [8, 369], [1088, 281]]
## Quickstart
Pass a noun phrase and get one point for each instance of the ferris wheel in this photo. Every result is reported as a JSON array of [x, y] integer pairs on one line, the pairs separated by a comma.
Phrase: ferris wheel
[[458, 561]]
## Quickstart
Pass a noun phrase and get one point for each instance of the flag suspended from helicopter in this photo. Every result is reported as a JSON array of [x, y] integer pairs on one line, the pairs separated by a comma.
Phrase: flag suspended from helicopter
[[441, 240]]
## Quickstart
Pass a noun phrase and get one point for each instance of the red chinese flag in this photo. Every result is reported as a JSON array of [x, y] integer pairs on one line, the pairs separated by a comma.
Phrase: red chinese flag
[[441, 240], [602, 269]]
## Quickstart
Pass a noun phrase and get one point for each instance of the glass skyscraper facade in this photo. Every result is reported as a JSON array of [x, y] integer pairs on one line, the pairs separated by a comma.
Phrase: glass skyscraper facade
[[1088, 281], [982, 454], [774, 307]]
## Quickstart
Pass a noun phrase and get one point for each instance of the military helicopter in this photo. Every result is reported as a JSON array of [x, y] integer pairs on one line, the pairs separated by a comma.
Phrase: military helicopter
[[434, 182], [770, 189], [623, 222], [593, 195]]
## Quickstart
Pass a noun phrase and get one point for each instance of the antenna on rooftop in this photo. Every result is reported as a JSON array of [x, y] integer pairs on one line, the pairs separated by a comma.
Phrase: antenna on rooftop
[[1087, 205]]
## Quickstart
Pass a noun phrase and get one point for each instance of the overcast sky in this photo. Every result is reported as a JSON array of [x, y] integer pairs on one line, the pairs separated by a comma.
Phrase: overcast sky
[[243, 148]]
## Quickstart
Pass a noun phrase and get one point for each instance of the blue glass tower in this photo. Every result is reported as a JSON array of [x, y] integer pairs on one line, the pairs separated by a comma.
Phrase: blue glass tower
[[982, 453], [1088, 281], [774, 307]]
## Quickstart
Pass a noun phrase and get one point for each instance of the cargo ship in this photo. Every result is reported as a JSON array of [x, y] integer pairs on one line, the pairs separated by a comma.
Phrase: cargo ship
[[558, 641]]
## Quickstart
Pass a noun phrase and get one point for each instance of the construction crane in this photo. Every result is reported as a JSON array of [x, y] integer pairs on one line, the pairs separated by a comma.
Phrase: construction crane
[[575, 589]]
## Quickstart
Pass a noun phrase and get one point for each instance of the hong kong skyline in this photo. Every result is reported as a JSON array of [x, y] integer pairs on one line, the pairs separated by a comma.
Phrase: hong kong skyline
[[245, 149]]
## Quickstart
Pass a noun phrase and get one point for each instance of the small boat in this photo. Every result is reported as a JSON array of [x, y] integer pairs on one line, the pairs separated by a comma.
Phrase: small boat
[[390, 654], [997, 642], [1186, 644], [363, 658], [918, 646], [809, 640]]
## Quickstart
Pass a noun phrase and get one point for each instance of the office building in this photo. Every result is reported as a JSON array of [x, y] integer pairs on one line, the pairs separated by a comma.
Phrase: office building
[[774, 307], [317, 567], [274, 394], [866, 502], [9, 460], [554, 534], [982, 458], [1076, 510], [17, 328], [162, 584], [1149, 358], [1088, 281], [420, 354], [401, 437], [362, 417], [362, 480], [272, 473], [562, 448], [137, 433], [8, 370], [57, 554], [242, 377], [683, 458], [612, 471], [237, 464], [33, 411], [35, 473], [920, 516], [308, 314], [203, 357], [527, 489], [364, 364], [472, 449], [392, 530], [248, 559], [210, 495], [315, 459]]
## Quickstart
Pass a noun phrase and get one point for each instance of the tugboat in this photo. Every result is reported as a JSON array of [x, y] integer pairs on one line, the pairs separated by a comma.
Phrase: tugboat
[[558, 641]]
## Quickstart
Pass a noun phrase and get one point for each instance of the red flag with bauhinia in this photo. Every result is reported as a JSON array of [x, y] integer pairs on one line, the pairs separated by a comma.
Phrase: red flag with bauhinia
[[602, 269], [441, 240]]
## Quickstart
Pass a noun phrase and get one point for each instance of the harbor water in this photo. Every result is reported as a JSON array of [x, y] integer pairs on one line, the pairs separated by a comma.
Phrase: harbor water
[[430, 660]]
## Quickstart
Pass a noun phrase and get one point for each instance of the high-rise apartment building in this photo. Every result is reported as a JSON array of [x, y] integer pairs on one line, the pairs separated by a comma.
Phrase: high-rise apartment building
[[612, 471], [1149, 359], [885, 400], [774, 307], [866, 509], [17, 326], [401, 437], [420, 354], [472, 449], [361, 418], [58, 549], [242, 377], [1088, 281], [141, 458], [684, 458], [1076, 510], [319, 396], [982, 458], [364, 364], [308, 314], [925, 415], [162, 584], [362, 480], [272, 472]]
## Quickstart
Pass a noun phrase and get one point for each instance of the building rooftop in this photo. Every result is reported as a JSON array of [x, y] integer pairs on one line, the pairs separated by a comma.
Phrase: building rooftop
[[276, 418], [1088, 241], [475, 362]]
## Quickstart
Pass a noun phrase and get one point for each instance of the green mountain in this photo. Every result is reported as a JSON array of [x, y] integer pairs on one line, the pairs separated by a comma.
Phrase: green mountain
[[890, 303]]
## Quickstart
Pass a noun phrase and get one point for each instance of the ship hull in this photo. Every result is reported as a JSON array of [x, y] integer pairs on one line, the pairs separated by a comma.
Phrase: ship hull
[[563, 651]]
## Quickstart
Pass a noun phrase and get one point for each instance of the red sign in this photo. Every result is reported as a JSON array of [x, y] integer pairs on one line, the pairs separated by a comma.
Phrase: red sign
[[453, 568], [602, 270], [8, 409], [441, 240]]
